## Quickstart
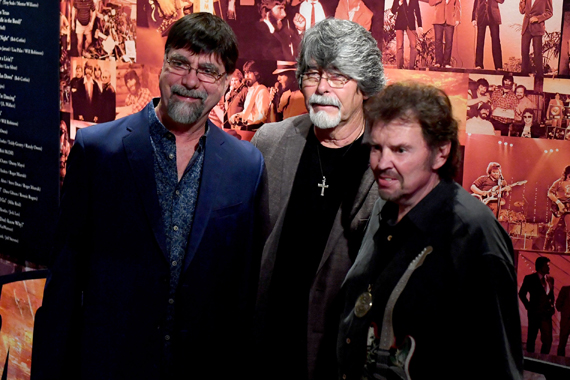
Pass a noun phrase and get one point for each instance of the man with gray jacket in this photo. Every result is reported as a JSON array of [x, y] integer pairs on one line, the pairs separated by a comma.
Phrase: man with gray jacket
[[321, 192]]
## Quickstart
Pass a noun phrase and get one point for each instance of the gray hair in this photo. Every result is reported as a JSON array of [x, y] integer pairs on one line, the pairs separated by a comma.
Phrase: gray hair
[[347, 47]]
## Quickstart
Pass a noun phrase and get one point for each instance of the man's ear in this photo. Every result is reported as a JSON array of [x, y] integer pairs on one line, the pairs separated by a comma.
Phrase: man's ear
[[440, 155]]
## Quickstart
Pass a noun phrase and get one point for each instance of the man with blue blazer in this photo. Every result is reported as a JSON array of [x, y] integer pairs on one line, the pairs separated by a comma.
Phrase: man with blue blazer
[[155, 268]]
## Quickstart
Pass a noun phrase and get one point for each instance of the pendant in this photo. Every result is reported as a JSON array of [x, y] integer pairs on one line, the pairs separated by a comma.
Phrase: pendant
[[363, 304], [323, 186]]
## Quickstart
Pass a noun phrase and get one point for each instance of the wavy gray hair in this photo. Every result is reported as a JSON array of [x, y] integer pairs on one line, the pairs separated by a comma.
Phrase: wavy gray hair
[[347, 47]]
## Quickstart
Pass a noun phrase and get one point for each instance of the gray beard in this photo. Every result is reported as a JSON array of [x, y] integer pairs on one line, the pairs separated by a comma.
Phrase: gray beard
[[323, 120], [185, 113]]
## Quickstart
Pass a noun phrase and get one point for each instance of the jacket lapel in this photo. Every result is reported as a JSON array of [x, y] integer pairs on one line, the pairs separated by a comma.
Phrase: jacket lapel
[[294, 144], [140, 156], [211, 176], [337, 230]]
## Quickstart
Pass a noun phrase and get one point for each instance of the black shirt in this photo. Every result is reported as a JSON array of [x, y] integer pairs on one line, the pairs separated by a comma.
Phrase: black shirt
[[307, 225]]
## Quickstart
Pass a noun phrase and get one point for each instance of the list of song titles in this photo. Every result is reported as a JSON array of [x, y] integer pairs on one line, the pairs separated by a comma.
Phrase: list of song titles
[[18, 188]]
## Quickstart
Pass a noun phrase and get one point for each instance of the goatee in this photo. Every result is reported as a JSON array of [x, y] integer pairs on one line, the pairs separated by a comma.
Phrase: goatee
[[322, 119], [186, 113]]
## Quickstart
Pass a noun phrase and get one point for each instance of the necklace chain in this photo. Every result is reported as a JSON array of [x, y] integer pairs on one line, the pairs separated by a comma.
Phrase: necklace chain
[[323, 184]]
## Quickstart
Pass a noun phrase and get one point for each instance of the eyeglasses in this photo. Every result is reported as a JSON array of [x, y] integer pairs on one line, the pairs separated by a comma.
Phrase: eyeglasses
[[206, 75], [313, 78], [527, 117]]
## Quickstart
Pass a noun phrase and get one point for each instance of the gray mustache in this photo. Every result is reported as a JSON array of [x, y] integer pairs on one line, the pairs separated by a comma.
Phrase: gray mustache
[[182, 91], [324, 100]]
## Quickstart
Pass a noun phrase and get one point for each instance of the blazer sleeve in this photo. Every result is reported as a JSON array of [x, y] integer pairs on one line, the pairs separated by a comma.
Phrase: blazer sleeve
[[523, 293], [56, 332], [418, 14], [547, 11]]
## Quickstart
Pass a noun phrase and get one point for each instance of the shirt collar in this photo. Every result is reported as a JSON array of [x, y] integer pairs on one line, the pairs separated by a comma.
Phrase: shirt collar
[[424, 215], [158, 131], [271, 27]]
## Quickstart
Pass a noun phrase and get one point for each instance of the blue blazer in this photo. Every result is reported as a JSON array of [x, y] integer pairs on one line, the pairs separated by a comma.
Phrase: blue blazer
[[105, 300]]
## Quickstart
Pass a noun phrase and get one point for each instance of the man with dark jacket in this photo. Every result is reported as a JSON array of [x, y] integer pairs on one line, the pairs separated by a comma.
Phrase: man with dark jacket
[[407, 13], [321, 192], [486, 14], [540, 306], [535, 13], [156, 248]]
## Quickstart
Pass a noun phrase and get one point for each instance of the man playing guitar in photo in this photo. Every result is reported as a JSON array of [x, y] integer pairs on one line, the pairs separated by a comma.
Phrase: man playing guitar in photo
[[559, 194], [491, 188]]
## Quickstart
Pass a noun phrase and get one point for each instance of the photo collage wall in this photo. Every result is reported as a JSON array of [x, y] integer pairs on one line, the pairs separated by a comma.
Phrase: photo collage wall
[[507, 74]]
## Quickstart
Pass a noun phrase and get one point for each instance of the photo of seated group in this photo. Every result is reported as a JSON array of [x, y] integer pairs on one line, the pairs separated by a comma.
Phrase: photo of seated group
[[507, 105]]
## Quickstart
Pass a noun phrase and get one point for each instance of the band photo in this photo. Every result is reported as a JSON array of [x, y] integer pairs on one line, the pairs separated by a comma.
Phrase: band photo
[[504, 105], [473, 34], [92, 88], [523, 182], [99, 29]]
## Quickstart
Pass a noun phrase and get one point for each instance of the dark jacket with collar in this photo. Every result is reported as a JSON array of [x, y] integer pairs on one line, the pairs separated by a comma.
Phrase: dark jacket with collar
[[106, 297]]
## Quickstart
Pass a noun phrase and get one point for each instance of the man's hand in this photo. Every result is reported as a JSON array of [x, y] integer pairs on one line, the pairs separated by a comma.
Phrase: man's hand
[[235, 118], [561, 206], [474, 22], [168, 8], [533, 20], [299, 22], [420, 30]]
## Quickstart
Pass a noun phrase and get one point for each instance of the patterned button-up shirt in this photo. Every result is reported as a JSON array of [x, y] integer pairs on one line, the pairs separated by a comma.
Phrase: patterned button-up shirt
[[177, 201], [140, 100], [506, 100]]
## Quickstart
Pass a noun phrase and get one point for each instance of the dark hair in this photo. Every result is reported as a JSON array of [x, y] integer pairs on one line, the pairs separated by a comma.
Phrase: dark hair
[[493, 166], [482, 82], [251, 66], [131, 74], [237, 74], [508, 76], [528, 110], [422, 103], [87, 66], [204, 33], [484, 106], [540, 262], [566, 172], [520, 86], [266, 5]]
